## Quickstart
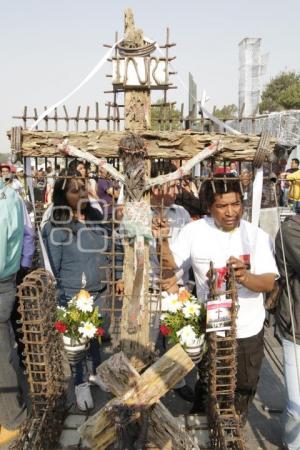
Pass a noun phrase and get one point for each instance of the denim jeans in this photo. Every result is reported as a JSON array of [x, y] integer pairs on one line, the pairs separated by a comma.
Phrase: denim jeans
[[12, 414], [291, 417], [81, 369]]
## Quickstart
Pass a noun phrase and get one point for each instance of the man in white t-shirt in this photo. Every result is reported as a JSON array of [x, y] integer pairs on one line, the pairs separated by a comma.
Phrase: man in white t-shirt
[[224, 238]]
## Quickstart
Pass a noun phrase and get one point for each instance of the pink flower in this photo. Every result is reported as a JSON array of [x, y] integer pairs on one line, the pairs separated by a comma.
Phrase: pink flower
[[60, 326], [165, 330]]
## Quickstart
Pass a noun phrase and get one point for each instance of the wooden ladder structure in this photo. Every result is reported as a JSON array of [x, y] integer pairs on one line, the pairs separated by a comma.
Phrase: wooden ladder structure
[[224, 422]]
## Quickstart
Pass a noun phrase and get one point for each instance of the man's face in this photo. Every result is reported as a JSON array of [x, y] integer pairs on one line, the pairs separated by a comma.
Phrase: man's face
[[5, 173], [294, 165], [227, 210], [245, 178]]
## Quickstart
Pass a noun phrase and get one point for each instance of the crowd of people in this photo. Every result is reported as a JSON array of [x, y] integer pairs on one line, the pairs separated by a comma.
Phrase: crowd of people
[[190, 228]]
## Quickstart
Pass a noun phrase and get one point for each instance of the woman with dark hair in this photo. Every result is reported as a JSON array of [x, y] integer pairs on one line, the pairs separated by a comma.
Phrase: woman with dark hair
[[83, 168], [76, 244]]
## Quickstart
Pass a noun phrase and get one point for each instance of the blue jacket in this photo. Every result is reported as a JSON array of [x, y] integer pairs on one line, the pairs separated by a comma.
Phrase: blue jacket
[[11, 231], [76, 257]]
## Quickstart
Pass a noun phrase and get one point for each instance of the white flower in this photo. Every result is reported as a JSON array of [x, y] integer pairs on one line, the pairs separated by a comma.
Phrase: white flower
[[72, 301], [190, 309], [87, 330], [84, 303], [62, 312], [163, 316], [187, 336], [170, 303]]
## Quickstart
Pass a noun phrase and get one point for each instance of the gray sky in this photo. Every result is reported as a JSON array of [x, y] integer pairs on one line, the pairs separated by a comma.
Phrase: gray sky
[[47, 47]]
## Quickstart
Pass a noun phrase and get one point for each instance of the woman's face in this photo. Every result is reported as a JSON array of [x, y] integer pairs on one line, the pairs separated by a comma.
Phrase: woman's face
[[81, 168], [76, 194]]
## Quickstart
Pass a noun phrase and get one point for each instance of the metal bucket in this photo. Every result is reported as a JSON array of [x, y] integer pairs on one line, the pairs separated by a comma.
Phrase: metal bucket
[[197, 350], [75, 349]]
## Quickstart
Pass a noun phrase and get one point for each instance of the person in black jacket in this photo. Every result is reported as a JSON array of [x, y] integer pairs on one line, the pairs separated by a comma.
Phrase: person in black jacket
[[288, 324]]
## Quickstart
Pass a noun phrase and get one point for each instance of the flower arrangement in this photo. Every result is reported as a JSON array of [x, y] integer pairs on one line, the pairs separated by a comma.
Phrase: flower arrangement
[[183, 318], [80, 320]]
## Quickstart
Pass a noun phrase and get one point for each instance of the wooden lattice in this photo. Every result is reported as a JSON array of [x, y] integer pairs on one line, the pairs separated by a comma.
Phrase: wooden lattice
[[42, 360]]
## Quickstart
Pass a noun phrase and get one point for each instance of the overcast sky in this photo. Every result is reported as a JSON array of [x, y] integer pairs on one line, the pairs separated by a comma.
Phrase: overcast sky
[[48, 46]]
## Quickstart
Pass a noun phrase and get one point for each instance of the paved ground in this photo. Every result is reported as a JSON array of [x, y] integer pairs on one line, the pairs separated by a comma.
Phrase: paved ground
[[262, 431]]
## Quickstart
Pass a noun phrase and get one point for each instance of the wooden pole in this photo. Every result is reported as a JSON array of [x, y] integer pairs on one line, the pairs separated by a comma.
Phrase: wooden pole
[[137, 391], [104, 144], [135, 340], [170, 435]]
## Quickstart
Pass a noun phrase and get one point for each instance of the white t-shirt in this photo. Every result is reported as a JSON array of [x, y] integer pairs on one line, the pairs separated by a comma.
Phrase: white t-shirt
[[201, 242]]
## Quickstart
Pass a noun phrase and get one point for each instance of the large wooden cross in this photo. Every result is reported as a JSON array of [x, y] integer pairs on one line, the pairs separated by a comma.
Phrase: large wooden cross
[[98, 144], [141, 393]]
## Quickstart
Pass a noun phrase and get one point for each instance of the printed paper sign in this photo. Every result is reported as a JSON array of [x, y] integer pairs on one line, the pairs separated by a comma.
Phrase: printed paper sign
[[218, 315]]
